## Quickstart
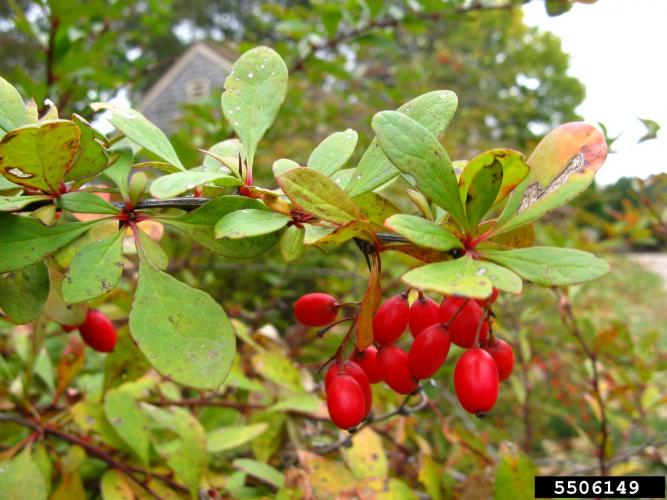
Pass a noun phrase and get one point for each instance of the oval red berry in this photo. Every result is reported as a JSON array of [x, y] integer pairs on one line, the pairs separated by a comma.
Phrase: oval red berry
[[476, 381], [428, 352], [316, 309], [357, 373], [502, 354], [391, 320], [393, 364], [367, 359], [345, 402], [424, 312], [98, 332], [463, 328]]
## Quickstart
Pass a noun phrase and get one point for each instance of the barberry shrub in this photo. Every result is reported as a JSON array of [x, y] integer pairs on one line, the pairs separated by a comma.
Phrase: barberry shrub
[[71, 199]]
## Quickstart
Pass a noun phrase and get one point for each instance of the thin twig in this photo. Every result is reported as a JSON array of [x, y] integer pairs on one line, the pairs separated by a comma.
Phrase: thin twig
[[93, 450], [569, 320], [402, 409]]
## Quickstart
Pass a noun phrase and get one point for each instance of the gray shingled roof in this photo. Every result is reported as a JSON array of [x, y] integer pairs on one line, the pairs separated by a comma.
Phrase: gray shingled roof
[[202, 69]]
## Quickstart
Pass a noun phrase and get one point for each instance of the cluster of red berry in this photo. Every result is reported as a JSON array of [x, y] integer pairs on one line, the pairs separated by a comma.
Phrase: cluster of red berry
[[97, 331], [486, 362]]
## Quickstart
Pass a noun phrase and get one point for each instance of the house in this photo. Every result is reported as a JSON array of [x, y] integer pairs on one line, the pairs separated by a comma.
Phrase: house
[[201, 70]]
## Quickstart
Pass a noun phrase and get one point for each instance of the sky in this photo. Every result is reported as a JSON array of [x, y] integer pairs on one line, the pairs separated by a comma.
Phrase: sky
[[618, 50]]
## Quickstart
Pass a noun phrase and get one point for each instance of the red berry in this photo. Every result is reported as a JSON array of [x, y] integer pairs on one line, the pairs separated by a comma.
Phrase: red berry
[[393, 364], [391, 319], [476, 381], [428, 352], [423, 313], [502, 354], [357, 373], [464, 327], [490, 299], [70, 328], [98, 332], [316, 309], [367, 359], [345, 402]]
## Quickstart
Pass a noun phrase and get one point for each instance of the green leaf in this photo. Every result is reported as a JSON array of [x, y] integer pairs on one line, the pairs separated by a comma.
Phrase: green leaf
[[423, 232], [182, 331], [250, 222], [152, 251], [12, 110], [482, 192], [333, 152], [139, 130], [128, 420], [95, 270], [15, 203], [433, 110], [23, 293], [199, 225], [169, 186], [550, 266], [515, 474], [515, 169], [25, 240], [464, 276], [254, 91], [291, 243], [21, 478], [91, 157], [417, 152], [318, 195], [119, 171], [38, 156], [227, 438], [366, 457], [561, 167], [85, 202], [282, 165], [188, 458], [261, 471]]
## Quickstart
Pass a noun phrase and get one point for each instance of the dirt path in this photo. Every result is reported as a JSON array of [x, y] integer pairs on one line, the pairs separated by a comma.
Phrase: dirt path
[[656, 262]]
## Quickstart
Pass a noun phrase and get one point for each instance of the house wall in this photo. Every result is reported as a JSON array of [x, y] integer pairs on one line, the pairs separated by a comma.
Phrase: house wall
[[165, 109]]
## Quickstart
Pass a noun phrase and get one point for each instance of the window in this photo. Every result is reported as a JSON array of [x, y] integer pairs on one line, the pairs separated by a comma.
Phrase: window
[[197, 88]]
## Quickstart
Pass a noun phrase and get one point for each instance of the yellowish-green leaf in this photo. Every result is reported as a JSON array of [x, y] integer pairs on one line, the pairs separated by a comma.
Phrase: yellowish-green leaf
[[550, 266], [95, 270], [423, 232], [38, 156], [333, 152], [366, 457], [254, 91], [318, 195], [227, 438], [434, 110], [415, 151], [182, 331], [139, 130], [250, 222]]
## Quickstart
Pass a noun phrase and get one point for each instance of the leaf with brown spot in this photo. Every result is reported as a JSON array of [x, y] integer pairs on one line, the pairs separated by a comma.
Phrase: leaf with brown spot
[[366, 457], [38, 156], [562, 166], [327, 478]]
